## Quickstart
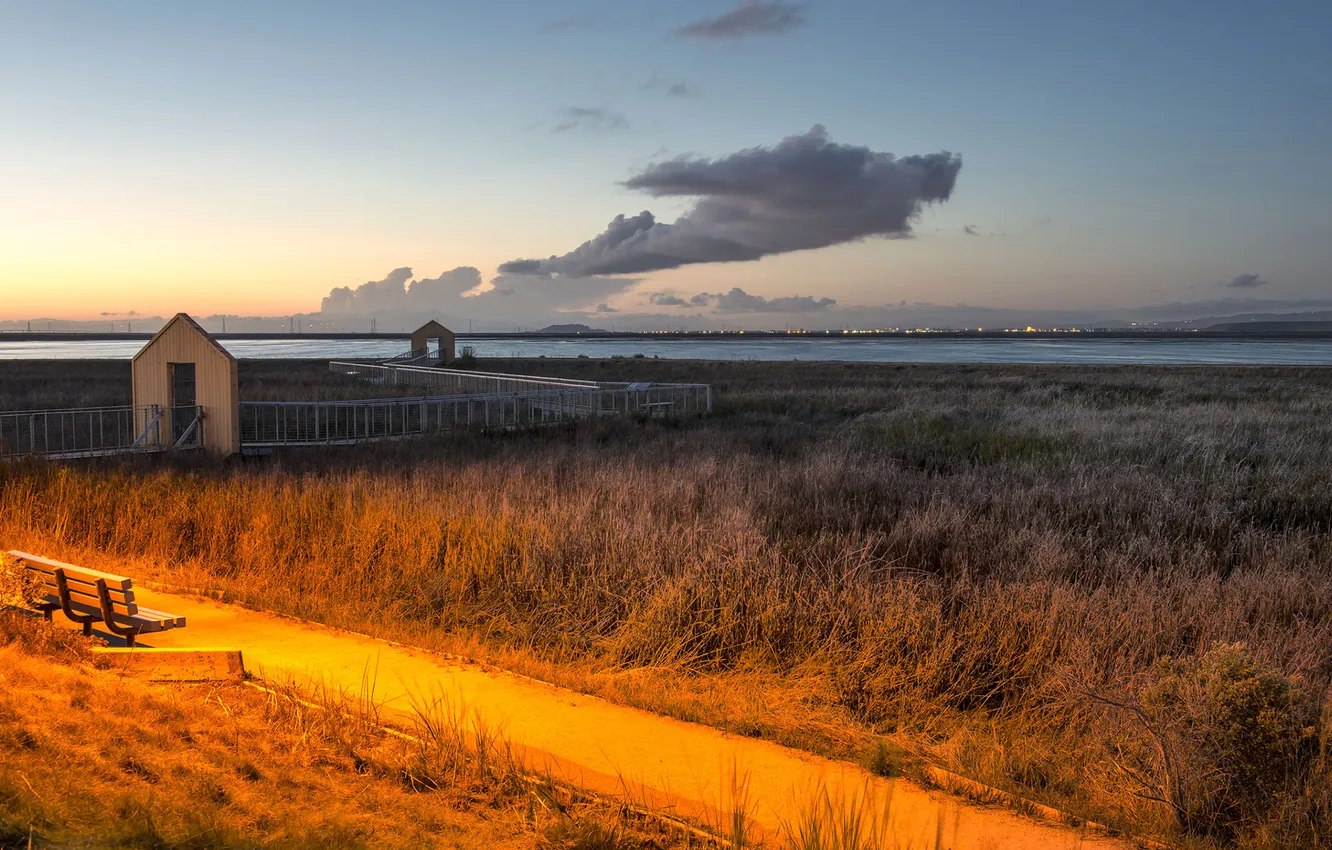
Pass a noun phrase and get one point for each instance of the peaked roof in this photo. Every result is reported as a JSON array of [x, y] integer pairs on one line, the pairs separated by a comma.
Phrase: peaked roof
[[432, 326], [184, 317]]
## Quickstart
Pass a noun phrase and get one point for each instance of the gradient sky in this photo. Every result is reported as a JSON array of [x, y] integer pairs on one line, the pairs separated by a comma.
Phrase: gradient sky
[[247, 157]]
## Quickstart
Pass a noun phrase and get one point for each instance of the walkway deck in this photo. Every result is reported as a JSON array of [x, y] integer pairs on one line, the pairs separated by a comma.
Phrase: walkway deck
[[596, 744]]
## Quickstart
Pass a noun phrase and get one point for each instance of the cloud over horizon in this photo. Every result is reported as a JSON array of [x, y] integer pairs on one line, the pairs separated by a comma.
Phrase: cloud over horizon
[[739, 301], [393, 294], [806, 192], [459, 295], [667, 299], [751, 17]]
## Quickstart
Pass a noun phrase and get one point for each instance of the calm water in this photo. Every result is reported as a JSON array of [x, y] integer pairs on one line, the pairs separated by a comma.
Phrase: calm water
[[924, 350]]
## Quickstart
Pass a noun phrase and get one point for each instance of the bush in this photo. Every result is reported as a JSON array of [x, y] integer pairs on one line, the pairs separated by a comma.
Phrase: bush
[[34, 636], [1230, 739], [18, 587]]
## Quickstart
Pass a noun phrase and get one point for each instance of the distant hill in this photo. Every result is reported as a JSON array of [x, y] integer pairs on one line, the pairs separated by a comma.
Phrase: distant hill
[[570, 329], [1272, 327], [1213, 323]]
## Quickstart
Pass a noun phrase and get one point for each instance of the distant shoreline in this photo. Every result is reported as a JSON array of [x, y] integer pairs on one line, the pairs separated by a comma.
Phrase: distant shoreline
[[1264, 333]]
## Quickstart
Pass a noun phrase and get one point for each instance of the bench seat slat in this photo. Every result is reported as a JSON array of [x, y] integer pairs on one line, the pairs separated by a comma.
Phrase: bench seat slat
[[172, 620], [72, 572], [78, 593], [87, 605]]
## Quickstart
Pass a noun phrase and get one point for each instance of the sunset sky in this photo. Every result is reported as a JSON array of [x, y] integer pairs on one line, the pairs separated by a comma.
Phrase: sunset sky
[[251, 157]]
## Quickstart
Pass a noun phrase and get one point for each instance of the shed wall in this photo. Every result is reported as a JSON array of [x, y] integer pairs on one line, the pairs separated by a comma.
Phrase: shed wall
[[434, 330], [216, 383]]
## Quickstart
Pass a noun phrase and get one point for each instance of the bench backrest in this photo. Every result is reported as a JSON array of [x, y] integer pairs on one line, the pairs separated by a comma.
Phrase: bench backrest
[[82, 584]]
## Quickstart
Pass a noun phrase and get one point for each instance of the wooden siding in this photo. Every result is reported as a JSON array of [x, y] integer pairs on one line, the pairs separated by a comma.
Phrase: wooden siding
[[434, 330], [216, 384]]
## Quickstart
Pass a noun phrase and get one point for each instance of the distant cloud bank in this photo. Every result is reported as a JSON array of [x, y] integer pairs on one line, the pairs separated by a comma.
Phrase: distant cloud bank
[[806, 192], [739, 301]]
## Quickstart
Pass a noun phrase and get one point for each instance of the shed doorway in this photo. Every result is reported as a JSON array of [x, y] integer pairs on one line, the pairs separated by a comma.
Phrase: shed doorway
[[183, 399], [433, 332]]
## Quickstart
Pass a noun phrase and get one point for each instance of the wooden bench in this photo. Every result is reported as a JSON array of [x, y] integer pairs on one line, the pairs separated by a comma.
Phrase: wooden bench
[[88, 596]]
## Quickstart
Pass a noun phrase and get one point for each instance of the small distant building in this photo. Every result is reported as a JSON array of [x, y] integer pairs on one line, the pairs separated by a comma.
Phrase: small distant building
[[442, 336], [183, 369]]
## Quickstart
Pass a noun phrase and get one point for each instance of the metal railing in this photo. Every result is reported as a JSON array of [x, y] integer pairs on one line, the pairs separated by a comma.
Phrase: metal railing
[[415, 357], [453, 381], [287, 423], [97, 431]]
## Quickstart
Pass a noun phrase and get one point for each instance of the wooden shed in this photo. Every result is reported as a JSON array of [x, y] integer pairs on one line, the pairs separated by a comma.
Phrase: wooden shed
[[433, 330], [183, 369]]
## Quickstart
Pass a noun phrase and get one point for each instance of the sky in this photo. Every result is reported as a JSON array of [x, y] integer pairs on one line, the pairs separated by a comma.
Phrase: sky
[[258, 158]]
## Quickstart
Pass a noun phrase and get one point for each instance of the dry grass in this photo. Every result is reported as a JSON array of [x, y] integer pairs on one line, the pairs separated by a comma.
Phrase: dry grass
[[947, 558], [87, 756]]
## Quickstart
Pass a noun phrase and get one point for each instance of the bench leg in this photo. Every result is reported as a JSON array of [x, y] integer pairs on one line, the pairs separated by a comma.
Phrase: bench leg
[[62, 587], [129, 633]]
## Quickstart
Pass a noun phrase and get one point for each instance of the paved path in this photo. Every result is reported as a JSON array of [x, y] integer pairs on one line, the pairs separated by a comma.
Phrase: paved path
[[598, 745]]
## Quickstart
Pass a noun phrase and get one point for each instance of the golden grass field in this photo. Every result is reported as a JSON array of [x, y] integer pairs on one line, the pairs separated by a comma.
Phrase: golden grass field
[[1107, 589], [89, 759]]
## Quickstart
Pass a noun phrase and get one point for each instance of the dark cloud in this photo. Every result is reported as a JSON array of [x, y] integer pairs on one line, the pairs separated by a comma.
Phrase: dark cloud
[[970, 230], [739, 301], [671, 88], [699, 300], [666, 299], [527, 267], [1244, 281], [606, 308], [594, 118], [751, 17], [806, 192]]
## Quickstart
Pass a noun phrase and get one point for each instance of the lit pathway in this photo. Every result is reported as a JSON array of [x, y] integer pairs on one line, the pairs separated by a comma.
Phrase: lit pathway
[[595, 744]]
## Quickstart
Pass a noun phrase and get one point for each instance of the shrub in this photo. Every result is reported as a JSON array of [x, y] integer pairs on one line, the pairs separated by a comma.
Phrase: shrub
[[18, 587], [1229, 739]]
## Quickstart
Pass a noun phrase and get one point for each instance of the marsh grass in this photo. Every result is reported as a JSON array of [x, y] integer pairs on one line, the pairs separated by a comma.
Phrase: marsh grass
[[842, 554], [824, 822]]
